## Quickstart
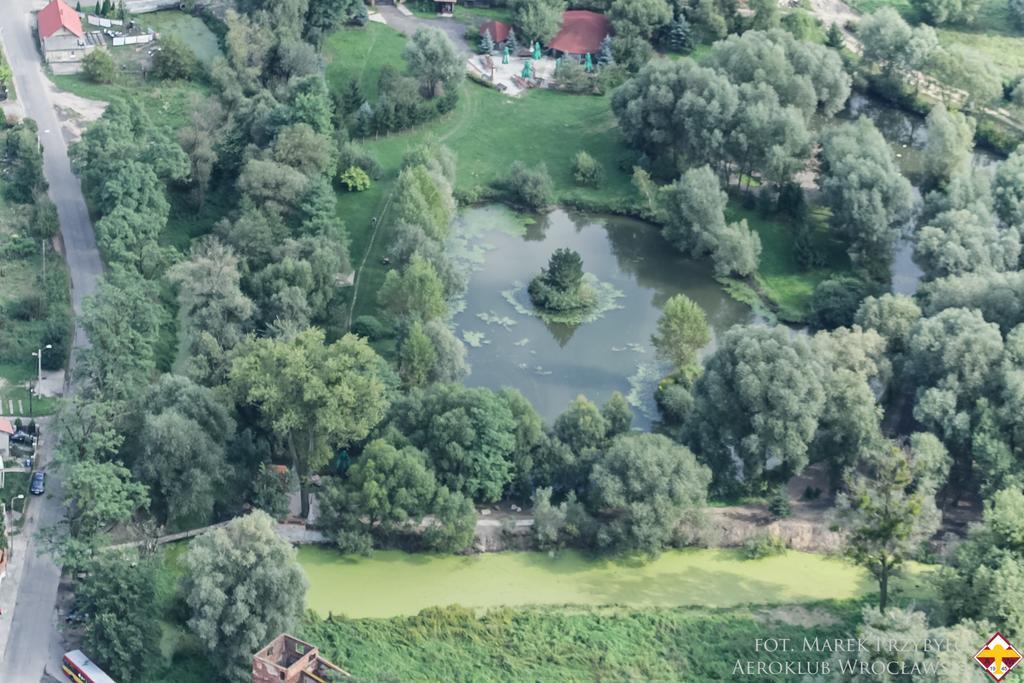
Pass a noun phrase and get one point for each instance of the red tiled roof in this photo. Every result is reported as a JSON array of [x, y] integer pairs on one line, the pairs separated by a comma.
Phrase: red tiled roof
[[6, 427], [498, 29], [582, 32], [55, 16]]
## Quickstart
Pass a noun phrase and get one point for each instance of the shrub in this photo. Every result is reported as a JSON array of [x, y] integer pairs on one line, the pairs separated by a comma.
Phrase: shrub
[[835, 301], [98, 66], [531, 187], [765, 545], [355, 179], [371, 328], [778, 505], [587, 170], [174, 60], [352, 154], [674, 401]]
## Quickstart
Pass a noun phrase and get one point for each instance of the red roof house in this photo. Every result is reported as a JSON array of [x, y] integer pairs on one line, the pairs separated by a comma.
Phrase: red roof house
[[58, 17], [498, 29], [582, 32], [6, 427]]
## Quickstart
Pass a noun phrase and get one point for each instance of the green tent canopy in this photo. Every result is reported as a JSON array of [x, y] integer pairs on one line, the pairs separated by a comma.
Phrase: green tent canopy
[[589, 64], [527, 69], [536, 50], [504, 55]]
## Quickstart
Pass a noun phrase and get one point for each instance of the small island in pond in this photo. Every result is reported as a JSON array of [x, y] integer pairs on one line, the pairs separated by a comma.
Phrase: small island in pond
[[561, 289]]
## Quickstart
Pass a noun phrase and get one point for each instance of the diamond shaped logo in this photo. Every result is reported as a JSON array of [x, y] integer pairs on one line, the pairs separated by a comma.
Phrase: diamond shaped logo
[[998, 657]]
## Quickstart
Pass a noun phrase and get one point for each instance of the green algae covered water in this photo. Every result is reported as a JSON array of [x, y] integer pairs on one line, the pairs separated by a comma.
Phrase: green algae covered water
[[392, 583]]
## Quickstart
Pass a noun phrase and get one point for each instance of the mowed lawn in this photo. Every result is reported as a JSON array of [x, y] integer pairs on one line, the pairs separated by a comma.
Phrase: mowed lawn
[[993, 33], [392, 583]]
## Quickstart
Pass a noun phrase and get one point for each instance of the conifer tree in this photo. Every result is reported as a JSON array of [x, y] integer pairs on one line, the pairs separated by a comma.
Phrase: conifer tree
[[486, 46]]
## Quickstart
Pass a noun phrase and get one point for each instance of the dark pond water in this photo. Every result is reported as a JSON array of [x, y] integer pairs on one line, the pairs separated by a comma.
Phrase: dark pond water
[[553, 363]]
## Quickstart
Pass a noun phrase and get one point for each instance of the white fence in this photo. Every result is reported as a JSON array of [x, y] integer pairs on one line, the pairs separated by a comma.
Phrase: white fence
[[100, 21], [134, 40]]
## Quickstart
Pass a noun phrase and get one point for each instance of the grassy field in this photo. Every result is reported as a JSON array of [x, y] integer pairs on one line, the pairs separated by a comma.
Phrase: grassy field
[[993, 32], [392, 583], [167, 103], [569, 644], [190, 29]]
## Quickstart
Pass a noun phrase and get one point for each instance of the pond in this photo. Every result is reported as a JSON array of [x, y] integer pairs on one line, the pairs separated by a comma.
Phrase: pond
[[391, 583], [553, 363]]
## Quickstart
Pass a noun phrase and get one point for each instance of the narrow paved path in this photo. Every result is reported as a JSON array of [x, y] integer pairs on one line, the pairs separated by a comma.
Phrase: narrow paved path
[[33, 642], [408, 24]]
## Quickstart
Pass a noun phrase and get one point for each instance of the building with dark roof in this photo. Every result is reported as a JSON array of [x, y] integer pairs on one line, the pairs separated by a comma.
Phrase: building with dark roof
[[499, 30], [582, 32]]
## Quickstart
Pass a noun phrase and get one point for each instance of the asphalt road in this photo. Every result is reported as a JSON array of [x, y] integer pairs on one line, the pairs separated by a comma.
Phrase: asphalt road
[[34, 642]]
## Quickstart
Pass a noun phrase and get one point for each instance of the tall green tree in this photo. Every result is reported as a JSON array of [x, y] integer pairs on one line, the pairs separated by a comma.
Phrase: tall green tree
[[991, 559], [316, 397], [417, 293], [469, 436], [641, 488], [433, 59], [123, 322], [756, 408], [1008, 189], [948, 148], [869, 198], [887, 515], [178, 447], [118, 594], [537, 20], [681, 333], [243, 586]]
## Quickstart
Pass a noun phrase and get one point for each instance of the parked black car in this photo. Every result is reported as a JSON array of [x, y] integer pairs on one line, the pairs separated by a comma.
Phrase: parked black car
[[38, 486]]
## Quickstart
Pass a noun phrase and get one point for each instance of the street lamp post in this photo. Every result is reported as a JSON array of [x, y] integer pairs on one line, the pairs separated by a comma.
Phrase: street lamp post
[[39, 363], [28, 386]]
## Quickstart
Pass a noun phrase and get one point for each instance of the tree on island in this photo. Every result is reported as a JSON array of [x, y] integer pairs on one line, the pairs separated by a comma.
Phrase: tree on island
[[560, 286]]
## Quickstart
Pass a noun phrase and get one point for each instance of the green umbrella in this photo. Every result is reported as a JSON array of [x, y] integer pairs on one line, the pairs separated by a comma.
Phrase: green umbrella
[[504, 56], [526, 69], [536, 50], [589, 64]]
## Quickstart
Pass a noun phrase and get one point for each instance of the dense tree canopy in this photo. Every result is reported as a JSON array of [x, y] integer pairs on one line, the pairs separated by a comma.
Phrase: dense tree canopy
[[757, 407], [869, 199], [469, 436], [118, 595], [641, 488], [317, 397], [537, 20]]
